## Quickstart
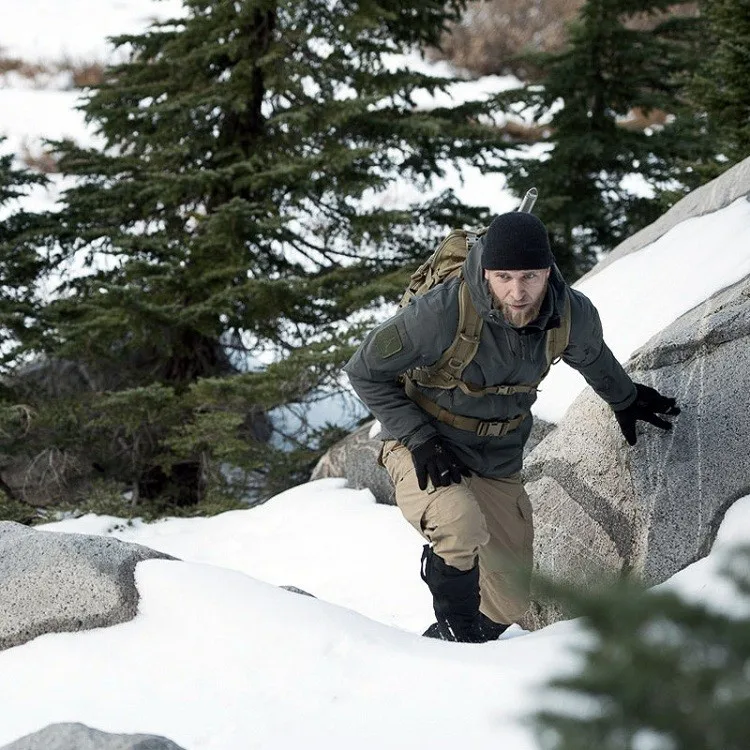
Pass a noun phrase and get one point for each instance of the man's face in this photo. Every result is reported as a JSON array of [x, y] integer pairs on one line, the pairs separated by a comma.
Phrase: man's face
[[518, 294]]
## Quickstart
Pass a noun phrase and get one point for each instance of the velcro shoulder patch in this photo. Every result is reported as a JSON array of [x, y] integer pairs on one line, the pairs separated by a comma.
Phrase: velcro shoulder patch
[[388, 341]]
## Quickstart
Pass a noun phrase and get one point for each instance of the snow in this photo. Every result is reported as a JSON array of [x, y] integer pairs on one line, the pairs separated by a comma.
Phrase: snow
[[76, 30], [218, 661], [27, 116], [702, 581], [275, 543], [219, 657]]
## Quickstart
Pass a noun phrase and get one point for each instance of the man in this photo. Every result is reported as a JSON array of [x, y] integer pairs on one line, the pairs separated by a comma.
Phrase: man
[[454, 447]]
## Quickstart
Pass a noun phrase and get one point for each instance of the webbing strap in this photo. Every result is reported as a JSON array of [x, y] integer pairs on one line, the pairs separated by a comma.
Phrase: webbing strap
[[480, 427], [446, 372], [466, 341], [494, 390], [558, 338]]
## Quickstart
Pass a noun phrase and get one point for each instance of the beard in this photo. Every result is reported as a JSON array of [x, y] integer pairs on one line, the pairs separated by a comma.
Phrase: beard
[[521, 318]]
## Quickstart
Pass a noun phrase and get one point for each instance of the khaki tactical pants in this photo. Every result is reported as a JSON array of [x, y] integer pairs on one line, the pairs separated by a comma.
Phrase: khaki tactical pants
[[489, 518]]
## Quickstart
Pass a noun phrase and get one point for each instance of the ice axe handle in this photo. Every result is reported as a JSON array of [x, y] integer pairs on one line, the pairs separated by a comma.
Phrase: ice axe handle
[[527, 204]]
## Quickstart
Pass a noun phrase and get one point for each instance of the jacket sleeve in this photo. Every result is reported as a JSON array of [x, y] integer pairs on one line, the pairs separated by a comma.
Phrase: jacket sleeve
[[589, 354], [415, 336]]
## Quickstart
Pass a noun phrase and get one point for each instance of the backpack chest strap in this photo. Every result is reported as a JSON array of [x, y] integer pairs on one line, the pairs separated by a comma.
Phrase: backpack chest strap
[[494, 390]]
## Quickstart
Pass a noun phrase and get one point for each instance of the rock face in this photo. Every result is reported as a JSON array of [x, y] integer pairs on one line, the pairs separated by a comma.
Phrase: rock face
[[54, 583], [601, 506], [355, 458], [299, 591], [81, 737]]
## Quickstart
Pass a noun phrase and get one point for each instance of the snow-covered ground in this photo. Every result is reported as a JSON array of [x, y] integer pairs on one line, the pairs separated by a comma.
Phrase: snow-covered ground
[[77, 30], [218, 657]]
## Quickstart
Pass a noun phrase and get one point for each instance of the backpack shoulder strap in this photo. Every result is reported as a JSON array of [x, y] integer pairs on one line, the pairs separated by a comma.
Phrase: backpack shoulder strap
[[446, 372], [559, 338]]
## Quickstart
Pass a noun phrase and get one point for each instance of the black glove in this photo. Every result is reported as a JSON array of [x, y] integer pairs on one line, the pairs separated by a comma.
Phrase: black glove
[[648, 403], [435, 460]]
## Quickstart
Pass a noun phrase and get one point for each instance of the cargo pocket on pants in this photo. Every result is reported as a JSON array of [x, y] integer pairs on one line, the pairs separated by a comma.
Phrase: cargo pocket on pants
[[393, 460], [527, 514]]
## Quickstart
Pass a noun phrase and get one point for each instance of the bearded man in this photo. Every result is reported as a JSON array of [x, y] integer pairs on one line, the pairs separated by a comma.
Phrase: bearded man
[[454, 448]]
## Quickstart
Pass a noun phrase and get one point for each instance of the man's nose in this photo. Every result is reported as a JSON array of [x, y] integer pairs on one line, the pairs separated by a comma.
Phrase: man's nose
[[517, 289]]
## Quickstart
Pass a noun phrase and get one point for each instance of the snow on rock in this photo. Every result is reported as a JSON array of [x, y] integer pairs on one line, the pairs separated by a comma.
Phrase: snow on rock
[[61, 582], [335, 543], [713, 196], [81, 737], [644, 291]]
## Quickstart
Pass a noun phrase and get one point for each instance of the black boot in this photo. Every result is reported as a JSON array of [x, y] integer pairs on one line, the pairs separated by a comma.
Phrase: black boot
[[491, 630], [455, 599]]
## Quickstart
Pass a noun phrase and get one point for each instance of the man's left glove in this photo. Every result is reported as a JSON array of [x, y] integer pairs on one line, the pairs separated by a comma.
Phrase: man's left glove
[[435, 460], [648, 403]]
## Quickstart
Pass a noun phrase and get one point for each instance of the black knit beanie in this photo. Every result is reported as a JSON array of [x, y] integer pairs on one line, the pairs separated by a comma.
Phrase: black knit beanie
[[516, 241]]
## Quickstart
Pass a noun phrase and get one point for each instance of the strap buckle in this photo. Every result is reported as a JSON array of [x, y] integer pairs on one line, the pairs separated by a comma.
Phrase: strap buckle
[[494, 429], [472, 340]]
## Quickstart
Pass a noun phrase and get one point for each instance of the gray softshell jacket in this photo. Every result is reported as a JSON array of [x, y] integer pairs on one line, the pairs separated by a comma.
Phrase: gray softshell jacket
[[419, 334]]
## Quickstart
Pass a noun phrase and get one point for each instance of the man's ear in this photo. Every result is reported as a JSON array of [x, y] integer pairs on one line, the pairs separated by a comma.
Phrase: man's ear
[[486, 274]]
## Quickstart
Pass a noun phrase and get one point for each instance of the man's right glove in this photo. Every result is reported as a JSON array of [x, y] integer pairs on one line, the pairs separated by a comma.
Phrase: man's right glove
[[648, 403], [435, 460]]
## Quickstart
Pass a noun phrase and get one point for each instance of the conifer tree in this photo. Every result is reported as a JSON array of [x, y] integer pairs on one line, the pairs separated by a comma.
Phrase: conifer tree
[[659, 672], [721, 87], [20, 263], [238, 213], [610, 69]]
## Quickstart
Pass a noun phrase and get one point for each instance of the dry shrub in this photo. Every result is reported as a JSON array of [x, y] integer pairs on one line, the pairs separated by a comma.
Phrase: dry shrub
[[23, 68], [83, 73], [47, 478], [492, 33], [520, 132], [638, 120], [86, 74], [39, 160], [649, 21]]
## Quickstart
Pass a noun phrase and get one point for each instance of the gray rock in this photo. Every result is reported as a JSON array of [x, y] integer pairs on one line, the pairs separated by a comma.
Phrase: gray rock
[[296, 590], [603, 508], [81, 737], [713, 196], [356, 458], [539, 430], [54, 583]]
